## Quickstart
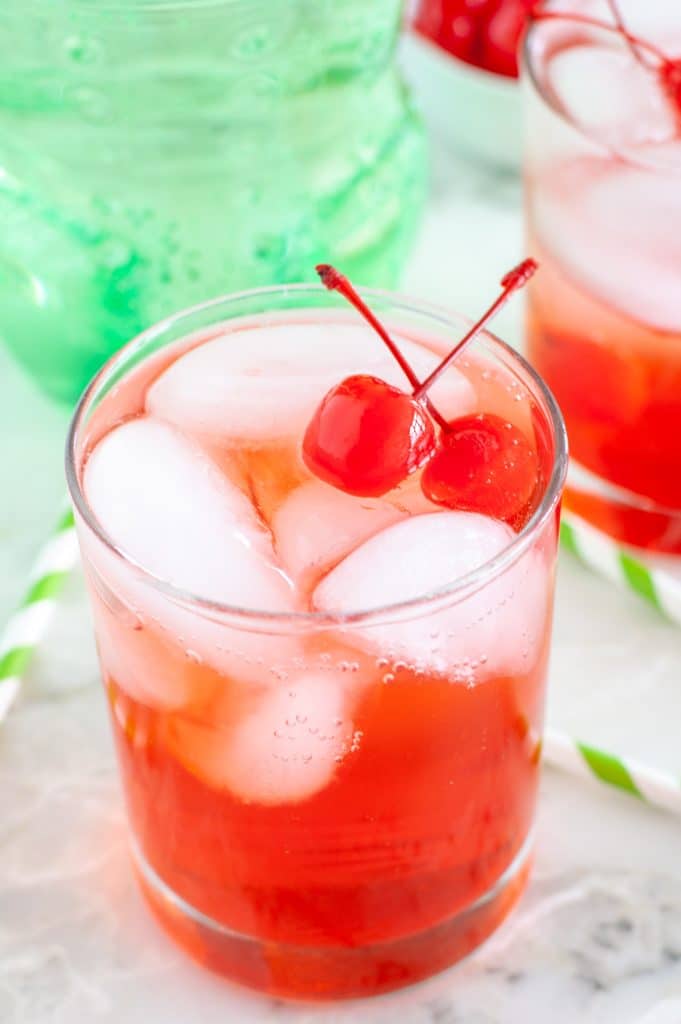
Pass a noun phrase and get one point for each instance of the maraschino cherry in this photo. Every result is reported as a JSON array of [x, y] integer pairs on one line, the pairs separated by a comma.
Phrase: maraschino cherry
[[483, 464], [484, 33], [367, 436]]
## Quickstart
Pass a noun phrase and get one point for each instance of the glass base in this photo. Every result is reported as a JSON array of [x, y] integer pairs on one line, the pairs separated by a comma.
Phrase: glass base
[[627, 517], [328, 972]]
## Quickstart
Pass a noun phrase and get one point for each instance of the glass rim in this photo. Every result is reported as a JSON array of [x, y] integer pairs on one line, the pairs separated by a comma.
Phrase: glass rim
[[463, 585], [529, 67]]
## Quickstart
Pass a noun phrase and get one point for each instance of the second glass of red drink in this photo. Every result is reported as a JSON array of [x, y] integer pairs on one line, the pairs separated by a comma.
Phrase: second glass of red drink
[[324, 652], [603, 198]]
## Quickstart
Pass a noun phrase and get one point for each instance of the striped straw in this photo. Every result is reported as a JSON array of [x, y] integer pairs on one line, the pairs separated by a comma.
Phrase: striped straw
[[656, 586], [660, 789], [661, 590], [29, 623]]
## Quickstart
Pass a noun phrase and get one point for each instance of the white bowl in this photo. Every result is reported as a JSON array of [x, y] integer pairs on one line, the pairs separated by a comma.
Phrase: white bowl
[[472, 110]]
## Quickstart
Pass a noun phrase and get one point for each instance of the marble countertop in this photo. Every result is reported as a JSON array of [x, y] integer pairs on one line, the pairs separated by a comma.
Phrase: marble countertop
[[596, 939]]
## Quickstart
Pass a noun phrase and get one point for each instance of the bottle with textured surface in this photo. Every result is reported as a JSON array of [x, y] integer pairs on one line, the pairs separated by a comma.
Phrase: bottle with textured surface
[[153, 155]]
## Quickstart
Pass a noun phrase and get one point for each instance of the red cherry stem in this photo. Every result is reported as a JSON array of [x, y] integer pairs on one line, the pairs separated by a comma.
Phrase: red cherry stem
[[584, 19], [510, 283], [335, 281], [631, 41]]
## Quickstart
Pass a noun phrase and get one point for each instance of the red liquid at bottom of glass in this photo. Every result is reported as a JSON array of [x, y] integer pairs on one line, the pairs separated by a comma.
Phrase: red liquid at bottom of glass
[[618, 383], [317, 974], [404, 863]]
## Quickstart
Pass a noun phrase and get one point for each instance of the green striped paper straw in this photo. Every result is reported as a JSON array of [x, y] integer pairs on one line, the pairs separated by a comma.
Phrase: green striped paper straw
[[618, 563], [29, 623], [650, 785], [661, 590]]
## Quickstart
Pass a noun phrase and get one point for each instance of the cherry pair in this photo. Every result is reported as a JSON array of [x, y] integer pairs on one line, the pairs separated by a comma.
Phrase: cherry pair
[[368, 436]]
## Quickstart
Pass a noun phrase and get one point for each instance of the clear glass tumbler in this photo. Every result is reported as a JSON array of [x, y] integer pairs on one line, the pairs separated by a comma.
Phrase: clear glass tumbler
[[603, 204], [328, 804], [154, 153]]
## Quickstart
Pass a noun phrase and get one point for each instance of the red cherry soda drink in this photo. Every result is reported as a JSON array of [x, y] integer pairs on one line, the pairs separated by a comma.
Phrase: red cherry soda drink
[[603, 199], [327, 708]]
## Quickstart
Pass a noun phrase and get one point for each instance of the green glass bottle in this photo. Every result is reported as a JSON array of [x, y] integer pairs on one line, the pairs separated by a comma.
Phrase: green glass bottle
[[154, 153]]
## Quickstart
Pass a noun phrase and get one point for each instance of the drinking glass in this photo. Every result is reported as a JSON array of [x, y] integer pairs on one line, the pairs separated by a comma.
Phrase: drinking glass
[[603, 204], [309, 839]]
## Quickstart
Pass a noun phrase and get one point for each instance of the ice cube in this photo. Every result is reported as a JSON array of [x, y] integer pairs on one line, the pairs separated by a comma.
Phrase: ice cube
[[409, 499], [265, 384], [146, 666], [611, 95], [317, 525], [500, 628], [614, 229], [143, 643], [170, 510], [284, 750], [165, 652], [656, 22]]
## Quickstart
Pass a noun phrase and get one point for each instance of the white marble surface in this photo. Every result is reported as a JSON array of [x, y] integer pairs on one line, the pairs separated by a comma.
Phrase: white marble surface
[[597, 938]]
